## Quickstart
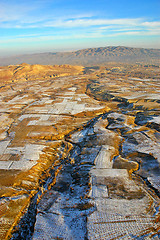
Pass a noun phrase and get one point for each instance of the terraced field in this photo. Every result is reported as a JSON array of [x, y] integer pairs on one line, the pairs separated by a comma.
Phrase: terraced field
[[80, 152]]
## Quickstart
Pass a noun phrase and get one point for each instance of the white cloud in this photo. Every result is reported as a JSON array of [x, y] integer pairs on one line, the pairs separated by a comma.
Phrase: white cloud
[[91, 22], [128, 26], [15, 12], [136, 33], [35, 38], [63, 26], [95, 33], [151, 24], [23, 14], [78, 21]]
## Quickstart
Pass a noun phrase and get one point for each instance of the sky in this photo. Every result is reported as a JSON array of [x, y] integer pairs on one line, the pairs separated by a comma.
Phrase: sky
[[34, 26]]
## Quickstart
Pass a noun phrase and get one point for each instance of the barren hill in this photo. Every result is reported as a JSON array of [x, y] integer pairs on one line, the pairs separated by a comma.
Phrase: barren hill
[[90, 56], [25, 72]]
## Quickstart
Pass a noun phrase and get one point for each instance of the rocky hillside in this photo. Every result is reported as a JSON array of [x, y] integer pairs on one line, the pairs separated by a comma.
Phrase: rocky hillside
[[24, 72], [90, 56]]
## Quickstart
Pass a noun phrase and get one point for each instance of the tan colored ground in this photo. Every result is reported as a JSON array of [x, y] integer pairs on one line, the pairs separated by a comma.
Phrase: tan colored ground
[[40, 105]]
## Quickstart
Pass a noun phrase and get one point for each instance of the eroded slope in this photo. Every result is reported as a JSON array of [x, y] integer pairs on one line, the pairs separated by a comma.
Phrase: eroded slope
[[83, 150]]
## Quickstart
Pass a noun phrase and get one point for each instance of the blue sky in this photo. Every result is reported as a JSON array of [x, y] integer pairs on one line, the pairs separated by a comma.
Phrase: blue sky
[[34, 26]]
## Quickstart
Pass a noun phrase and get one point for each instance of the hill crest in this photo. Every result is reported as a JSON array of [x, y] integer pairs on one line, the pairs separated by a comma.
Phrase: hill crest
[[89, 56]]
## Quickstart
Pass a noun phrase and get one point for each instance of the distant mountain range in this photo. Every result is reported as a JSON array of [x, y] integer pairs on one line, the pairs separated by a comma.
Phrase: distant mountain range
[[87, 57]]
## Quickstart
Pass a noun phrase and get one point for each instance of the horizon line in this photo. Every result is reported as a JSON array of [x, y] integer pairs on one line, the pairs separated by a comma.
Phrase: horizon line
[[78, 49]]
